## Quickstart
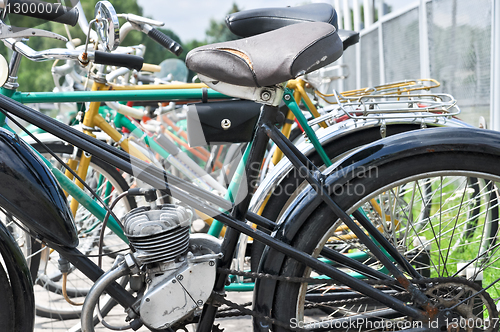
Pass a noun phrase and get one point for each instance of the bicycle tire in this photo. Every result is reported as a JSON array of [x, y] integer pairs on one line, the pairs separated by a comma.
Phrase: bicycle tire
[[321, 223], [7, 306]]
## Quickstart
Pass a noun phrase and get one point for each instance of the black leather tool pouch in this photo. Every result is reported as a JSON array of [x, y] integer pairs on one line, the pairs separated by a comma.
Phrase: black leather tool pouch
[[222, 122]]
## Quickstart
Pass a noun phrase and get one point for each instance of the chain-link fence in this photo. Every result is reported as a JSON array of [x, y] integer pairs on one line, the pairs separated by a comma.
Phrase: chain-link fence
[[460, 53], [457, 41]]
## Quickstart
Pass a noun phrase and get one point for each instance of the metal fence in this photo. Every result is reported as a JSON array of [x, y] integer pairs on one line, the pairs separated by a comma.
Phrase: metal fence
[[452, 41]]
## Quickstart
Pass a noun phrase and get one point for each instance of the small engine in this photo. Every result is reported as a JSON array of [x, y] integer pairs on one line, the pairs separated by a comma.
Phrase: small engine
[[159, 235], [178, 269]]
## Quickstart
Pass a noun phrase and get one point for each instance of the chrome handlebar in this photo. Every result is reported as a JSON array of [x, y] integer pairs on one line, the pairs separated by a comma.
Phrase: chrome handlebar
[[45, 55]]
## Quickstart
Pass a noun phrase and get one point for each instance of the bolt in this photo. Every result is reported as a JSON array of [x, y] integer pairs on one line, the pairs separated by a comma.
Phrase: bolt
[[287, 97], [147, 299], [265, 96], [200, 302], [211, 263], [148, 280], [180, 277], [173, 281]]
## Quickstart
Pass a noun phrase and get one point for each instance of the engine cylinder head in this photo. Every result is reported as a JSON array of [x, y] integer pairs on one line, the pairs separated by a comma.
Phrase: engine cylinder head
[[158, 235]]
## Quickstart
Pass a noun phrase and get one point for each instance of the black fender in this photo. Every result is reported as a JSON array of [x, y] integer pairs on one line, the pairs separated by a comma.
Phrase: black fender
[[20, 281], [30, 192], [366, 159]]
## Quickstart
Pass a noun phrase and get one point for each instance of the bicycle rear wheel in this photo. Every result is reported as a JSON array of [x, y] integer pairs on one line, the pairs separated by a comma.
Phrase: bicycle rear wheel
[[464, 191]]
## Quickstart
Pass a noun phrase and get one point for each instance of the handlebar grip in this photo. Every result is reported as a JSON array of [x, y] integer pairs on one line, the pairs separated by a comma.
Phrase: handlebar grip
[[54, 12], [119, 60], [151, 68], [165, 41]]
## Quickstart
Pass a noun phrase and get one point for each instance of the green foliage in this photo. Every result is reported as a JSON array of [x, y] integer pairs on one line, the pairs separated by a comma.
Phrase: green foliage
[[218, 31]]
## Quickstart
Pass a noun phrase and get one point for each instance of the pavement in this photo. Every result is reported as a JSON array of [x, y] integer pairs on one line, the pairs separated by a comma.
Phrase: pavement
[[115, 317]]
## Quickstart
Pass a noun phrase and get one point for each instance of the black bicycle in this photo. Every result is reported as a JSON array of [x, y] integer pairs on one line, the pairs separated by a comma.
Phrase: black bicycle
[[410, 281]]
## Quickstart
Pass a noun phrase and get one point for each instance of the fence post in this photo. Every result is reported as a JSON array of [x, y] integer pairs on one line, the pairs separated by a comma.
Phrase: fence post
[[381, 58], [340, 85], [368, 12], [356, 12], [495, 66], [347, 15], [425, 70], [380, 9]]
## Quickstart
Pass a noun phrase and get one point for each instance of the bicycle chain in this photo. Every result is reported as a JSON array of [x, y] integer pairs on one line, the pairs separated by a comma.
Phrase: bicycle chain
[[235, 309]]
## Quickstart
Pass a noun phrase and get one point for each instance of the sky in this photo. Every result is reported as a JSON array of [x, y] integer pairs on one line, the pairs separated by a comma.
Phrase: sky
[[190, 18]]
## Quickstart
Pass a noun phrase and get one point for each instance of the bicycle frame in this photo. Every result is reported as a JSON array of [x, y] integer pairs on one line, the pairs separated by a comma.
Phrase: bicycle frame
[[93, 119], [236, 220]]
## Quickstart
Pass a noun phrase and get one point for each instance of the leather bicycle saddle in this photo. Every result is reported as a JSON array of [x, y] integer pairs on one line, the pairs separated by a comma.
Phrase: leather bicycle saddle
[[269, 58], [256, 21]]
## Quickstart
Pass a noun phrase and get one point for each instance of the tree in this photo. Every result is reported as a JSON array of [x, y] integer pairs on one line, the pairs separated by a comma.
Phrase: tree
[[36, 76], [218, 30]]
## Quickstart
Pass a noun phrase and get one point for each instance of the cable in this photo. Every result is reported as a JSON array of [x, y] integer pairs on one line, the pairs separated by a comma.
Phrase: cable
[[105, 222], [99, 262], [66, 297], [94, 194]]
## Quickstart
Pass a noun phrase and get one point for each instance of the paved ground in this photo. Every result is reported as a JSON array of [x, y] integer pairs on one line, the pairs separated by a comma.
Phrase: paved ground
[[241, 324]]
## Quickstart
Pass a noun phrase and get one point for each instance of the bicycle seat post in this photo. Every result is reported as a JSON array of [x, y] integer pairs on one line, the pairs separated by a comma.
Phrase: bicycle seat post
[[14, 64]]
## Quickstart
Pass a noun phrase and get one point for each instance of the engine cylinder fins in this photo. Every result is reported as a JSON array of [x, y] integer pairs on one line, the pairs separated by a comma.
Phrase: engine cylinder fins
[[158, 235]]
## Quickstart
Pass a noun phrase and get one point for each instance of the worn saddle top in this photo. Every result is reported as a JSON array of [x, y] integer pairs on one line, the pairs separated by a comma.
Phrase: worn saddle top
[[269, 58]]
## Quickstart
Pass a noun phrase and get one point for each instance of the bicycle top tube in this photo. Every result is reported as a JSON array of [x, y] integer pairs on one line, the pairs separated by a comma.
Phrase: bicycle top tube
[[120, 95]]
